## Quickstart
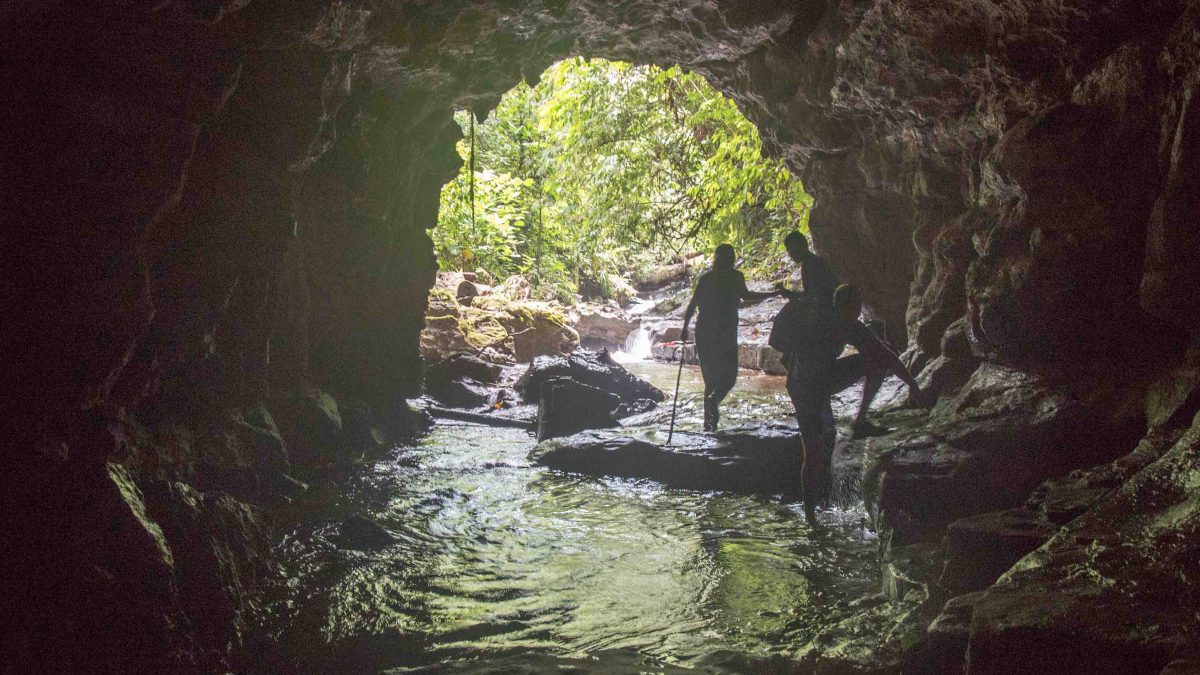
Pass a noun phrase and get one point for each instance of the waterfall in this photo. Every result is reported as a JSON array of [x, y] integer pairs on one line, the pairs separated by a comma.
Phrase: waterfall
[[637, 346]]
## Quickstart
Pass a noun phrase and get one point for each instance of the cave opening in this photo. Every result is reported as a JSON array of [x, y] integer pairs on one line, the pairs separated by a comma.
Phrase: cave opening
[[218, 217], [603, 186]]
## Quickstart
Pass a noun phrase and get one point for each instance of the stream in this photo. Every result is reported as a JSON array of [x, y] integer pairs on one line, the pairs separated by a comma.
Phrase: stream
[[501, 566]]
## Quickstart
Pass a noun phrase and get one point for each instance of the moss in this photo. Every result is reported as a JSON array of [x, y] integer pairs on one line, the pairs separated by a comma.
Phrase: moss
[[442, 303], [482, 331]]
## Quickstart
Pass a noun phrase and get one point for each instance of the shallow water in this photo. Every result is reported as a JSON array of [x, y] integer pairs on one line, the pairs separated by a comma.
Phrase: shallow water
[[495, 557]]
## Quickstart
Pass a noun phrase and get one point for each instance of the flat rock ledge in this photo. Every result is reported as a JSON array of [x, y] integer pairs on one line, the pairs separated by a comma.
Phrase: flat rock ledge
[[754, 459]]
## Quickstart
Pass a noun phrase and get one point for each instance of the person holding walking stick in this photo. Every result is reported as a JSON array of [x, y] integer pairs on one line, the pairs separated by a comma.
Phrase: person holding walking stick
[[718, 295]]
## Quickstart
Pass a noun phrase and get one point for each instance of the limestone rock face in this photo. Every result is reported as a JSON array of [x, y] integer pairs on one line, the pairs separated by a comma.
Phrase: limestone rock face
[[1112, 589], [988, 447]]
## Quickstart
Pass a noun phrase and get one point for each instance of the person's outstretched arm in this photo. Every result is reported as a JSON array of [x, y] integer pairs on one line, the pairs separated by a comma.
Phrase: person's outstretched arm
[[755, 296]]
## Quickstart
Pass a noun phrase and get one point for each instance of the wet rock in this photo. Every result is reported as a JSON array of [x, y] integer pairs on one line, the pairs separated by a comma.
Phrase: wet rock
[[752, 460], [219, 546], [674, 351], [910, 568], [989, 446], [1173, 398], [462, 392], [461, 365], [359, 430], [595, 369], [980, 548], [311, 424], [1064, 498], [944, 376], [567, 407], [945, 649], [363, 534], [461, 381], [1115, 590]]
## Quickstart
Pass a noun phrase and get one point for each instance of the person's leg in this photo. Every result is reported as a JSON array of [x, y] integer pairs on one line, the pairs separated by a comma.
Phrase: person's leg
[[807, 401], [873, 371], [850, 369], [723, 380]]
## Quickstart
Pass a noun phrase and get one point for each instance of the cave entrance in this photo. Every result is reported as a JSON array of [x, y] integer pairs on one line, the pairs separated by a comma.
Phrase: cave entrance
[[596, 184]]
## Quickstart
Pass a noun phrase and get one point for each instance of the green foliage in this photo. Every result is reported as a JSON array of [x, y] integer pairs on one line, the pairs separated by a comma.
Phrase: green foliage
[[605, 167]]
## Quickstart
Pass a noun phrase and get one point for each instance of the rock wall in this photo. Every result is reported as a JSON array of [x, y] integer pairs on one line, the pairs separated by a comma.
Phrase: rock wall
[[215, 213]]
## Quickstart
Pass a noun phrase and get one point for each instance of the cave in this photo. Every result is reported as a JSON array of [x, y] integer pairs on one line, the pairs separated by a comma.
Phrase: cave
[[216, 219]]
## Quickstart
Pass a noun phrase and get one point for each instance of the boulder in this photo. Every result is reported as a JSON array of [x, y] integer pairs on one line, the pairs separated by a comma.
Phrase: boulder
[[980, 548], [461, 392], [461, 365], [944, 375], [602, 326], [909, 568], [361, 533], [595, 369], [945, 647], [761, 459], [567, 407]]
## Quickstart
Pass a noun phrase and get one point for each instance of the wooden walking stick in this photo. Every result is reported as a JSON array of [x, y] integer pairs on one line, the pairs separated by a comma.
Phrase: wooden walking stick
[[675, 401]]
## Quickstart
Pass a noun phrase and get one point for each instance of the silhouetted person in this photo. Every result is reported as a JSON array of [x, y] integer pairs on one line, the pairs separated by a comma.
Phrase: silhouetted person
[[718, 295], [820, 283], [815, 273], [819, 372]]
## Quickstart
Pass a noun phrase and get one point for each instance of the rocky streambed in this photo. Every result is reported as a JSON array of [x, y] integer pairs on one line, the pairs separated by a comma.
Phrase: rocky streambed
[[952, 539], [465, 553]]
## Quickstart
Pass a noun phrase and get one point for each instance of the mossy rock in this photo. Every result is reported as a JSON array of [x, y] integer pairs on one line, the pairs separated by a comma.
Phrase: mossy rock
[[442, 303]]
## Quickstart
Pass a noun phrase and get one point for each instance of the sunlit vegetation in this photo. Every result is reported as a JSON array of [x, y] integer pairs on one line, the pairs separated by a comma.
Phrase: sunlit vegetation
[[604, 169]]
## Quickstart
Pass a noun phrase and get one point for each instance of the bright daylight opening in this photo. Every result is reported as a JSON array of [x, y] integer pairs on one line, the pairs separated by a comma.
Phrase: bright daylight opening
[[601, 192]]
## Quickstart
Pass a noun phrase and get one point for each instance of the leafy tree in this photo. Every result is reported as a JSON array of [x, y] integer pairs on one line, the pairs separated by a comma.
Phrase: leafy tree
[[606, 166]]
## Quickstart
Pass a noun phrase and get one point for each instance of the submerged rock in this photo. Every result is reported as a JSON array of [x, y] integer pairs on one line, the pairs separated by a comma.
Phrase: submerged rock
[[595, 369], [567, 407], [361, 533], [751, 460]]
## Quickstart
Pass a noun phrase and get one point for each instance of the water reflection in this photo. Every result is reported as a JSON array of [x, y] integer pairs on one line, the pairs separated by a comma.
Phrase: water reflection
[[494, 556]]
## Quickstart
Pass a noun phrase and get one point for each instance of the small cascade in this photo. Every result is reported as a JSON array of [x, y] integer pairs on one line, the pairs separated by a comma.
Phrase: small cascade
[[637, 346]]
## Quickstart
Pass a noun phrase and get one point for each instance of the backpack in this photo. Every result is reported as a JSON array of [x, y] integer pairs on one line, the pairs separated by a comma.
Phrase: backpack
[[806, 326]]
